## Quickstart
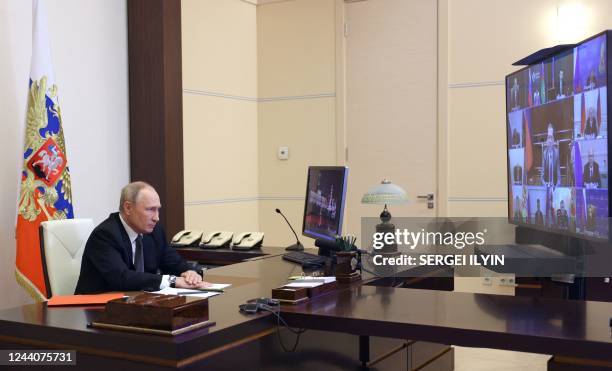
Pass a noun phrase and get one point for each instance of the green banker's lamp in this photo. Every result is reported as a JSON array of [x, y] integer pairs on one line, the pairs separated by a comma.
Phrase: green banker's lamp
[[385, 193]]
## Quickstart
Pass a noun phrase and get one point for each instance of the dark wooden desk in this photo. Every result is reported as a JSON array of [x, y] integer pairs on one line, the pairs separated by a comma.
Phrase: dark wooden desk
[[549, 326], [565, 328], [40, 327], [227, 256]]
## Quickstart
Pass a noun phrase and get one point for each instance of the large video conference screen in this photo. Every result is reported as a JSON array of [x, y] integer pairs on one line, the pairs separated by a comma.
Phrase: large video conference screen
[[557, 124]]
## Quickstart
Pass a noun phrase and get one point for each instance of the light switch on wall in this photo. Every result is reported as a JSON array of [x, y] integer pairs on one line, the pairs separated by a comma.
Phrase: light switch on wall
[[283, 153]]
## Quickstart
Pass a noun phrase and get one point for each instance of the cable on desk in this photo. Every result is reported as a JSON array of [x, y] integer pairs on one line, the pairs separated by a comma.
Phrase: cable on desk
[[279, 319]]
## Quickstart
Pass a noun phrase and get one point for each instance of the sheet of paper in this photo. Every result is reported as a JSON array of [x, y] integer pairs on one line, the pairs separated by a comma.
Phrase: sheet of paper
[[188, 292], [304, 284], [316, 279], [219, 286]]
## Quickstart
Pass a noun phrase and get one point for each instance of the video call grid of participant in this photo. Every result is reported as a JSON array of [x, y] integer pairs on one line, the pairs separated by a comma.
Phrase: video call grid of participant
[[572, 196], [591, 114], [590, 65]]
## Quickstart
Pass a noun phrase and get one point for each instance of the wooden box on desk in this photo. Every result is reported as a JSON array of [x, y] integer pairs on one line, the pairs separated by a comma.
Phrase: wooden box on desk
[[156, 313], [322, 289], [296, 295], [291, 295]]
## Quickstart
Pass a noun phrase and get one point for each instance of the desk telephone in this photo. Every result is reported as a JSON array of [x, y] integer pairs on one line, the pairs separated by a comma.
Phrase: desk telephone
[[248, 240], [216, 239], [186, 237]]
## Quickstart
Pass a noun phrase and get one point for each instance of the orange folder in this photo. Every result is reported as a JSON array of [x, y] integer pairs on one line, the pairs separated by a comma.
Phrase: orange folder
[[98, 299]]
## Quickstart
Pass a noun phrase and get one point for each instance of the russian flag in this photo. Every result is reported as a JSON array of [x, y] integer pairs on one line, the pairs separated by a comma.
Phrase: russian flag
[[598, 110], [45, 191]]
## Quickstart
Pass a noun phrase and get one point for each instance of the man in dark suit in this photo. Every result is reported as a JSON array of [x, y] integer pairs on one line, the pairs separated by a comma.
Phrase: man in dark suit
[[562, 217], [126, 251], [591, 128], [551, 171], [539, 217], [516, 139], [517, 174], [591, 175]]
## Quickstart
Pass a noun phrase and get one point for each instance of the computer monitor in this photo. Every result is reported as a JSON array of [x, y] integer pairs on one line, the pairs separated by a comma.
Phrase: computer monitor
[[324, 203], [558, 143]]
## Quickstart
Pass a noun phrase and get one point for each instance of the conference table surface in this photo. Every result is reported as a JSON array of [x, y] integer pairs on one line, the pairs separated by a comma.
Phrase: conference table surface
[[561, 327]]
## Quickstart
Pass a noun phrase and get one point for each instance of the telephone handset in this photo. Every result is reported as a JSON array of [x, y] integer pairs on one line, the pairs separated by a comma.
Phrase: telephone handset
[[186, 237], [248, 240], [216, 239]]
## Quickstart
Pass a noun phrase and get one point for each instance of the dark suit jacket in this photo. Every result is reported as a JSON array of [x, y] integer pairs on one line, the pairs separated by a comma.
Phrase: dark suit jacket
[[590, 128], [107, 260]]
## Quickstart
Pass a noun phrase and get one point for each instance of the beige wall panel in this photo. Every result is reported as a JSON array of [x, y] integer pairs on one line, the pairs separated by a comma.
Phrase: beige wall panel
[[478, 208], [598, 16], [477, 143], [232, 216], [296, 48], [220, 46], [307, 128], [483, 48], [277, 231], [220, 148], [486, 37]]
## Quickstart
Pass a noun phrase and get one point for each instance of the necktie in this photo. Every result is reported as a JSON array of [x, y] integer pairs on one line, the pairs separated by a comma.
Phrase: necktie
[[591, 176], [139, 256]]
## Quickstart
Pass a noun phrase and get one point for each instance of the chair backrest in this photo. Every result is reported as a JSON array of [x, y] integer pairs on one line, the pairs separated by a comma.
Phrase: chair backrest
[[62, 243]]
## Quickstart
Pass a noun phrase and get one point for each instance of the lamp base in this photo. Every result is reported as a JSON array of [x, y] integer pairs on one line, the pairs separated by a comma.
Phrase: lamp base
[[386, 227]]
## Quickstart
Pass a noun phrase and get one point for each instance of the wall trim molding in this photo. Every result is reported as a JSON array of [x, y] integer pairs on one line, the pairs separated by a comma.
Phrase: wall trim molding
[[475, 84], [243, 199], [297, 97], [477, 199], [218, 95], [258, 100]]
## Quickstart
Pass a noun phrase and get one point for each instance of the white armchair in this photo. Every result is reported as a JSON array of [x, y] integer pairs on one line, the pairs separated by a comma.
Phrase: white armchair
[[62, 243]]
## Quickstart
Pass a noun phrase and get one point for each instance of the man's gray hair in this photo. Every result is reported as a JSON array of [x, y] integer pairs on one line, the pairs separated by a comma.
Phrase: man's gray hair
[[130, 192]]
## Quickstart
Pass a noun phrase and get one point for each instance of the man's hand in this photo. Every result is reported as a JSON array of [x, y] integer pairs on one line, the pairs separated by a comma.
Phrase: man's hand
[[181, 283], [191, 277]]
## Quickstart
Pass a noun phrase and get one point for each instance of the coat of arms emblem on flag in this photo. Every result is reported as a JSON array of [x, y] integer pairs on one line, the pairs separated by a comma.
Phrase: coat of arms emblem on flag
[[45, 191]]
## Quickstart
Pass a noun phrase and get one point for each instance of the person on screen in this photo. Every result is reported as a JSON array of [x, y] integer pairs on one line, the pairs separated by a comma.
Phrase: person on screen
[[517, 174], [518, 217], [602, 58], [536, 98], [562, 217], [128, 249], [551, 171], [591, 222], [539, 216], [514, 94], [591, 82], [560, 94], [571, 153], [592, 178], [591, 128], [516, 138]]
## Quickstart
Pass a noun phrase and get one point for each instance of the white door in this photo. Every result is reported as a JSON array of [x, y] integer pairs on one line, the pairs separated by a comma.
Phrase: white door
[[391, 103]]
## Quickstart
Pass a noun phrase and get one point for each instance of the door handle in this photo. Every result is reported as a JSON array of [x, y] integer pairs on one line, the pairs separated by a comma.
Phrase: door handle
[[430, 199]]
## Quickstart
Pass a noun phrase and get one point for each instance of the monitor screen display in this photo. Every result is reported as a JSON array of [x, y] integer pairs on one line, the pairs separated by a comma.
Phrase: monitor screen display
[[324, 204], [557, 130]]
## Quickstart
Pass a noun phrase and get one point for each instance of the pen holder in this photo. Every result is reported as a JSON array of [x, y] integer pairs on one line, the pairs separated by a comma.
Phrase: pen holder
[[346, 266]]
